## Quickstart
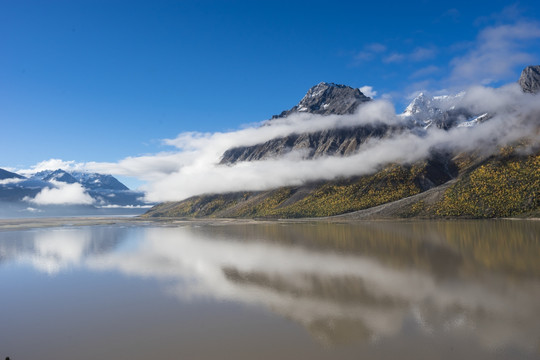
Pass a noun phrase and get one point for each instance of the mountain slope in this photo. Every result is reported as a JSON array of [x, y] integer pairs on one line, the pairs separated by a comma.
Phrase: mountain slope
[[95, 181], [318, 199], [451, 183], [344, 141], [499, 186], [4, 174]]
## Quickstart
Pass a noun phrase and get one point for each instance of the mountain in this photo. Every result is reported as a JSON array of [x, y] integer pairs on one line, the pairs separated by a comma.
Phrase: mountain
[[4, 174], [328, 98], [446, 184], [60, 175], [443, 112], [91, 181], [322, 99], [530, 79], [338, 141], [105, 190]]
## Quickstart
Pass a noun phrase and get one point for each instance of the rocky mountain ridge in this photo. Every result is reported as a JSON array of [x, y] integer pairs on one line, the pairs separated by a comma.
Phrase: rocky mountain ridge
[[530, 79], [93, 181], [424, 111], [328, 98]]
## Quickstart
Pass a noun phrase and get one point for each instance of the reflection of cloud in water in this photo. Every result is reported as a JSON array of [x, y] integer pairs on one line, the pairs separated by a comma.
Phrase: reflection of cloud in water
[[331, 292], [338, 295], [57, 249]]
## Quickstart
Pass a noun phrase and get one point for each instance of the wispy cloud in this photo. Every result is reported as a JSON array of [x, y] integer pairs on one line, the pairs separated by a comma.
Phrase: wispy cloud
[[394, 58], [370, 51], [498, 50], [425, 71], [417, 55], [422, 54], [10, 181]]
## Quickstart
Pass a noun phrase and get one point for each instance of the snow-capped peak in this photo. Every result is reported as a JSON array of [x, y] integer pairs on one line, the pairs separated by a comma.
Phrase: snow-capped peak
[[445, 111]]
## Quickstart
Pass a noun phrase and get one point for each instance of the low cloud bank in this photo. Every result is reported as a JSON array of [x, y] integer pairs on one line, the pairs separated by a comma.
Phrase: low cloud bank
[[10, 181], [194, 167], [62, 194]]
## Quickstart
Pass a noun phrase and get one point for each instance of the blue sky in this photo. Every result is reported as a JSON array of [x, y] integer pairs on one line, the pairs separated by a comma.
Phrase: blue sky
[[105, 80]]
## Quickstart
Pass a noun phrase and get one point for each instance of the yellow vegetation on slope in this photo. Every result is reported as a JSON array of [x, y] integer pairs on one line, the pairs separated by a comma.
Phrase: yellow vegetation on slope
[[499, 188]]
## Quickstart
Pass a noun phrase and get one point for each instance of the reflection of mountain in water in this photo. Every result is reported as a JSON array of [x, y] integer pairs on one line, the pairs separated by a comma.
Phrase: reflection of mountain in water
[[343, 283], [441, 247]]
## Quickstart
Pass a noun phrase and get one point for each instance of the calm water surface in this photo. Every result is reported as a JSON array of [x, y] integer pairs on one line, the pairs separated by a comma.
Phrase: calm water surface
[[382, 290]]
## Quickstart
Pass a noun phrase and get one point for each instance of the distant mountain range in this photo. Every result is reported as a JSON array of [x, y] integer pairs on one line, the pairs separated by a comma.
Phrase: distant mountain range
[[104, 191], [445, 184]]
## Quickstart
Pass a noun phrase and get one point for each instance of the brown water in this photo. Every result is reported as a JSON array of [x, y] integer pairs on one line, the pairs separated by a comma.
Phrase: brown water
[[382, 290]]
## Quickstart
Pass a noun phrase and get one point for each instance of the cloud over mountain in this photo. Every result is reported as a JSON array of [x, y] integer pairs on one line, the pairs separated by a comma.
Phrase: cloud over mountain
[[62, 194], [194, 167]]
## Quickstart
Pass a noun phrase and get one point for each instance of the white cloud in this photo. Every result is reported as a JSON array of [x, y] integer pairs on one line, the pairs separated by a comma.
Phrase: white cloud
[[52, 164], [10, 181], [368, 91], [422, 54], [417, 55], [370, 51], [495, 54], [62, 194], [394, 58], [426, 71]]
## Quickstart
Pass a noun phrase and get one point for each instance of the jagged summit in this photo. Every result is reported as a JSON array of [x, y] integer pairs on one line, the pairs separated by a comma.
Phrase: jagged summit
[[93, 181], [60, 175], [322, 99], [443, 111], [530, 79], [328, 98]]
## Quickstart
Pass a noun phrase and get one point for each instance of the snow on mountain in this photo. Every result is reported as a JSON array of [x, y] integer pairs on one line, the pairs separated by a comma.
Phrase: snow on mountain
[[98, 181], [328, 98], [474, 120], [60, 175], [93, 181], [105, 190], [443, 112]]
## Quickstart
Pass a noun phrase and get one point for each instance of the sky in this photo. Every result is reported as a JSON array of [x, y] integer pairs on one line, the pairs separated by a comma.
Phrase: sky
[[106, 82]]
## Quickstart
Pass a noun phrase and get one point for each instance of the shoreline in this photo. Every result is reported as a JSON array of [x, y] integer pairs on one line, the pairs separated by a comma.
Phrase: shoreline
[[33, 223]]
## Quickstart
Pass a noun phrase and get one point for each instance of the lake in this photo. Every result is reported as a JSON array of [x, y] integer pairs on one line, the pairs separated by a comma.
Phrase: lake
[[274, 290]]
